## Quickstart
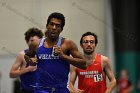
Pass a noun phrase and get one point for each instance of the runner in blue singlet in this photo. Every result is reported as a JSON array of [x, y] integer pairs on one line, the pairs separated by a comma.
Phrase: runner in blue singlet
[[54, 58], [21, 68], [53, 71]]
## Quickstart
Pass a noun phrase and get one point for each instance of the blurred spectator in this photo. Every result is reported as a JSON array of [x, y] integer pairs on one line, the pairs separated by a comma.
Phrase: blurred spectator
[[138, 86], [124, 85]]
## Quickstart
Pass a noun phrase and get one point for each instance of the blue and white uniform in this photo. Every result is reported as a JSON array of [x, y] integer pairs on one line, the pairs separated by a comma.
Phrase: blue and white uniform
[[52, 70], [28, 80]]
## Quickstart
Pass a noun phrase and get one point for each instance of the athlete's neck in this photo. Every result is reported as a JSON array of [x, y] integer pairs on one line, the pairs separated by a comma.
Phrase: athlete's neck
[[50, 42], [89, 58]]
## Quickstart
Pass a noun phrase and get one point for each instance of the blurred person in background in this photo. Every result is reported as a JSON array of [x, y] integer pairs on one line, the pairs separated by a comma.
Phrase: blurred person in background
[[138, 85], [124, 85], [21, 68]]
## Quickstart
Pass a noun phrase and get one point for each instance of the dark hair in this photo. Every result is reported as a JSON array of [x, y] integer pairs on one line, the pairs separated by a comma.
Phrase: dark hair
[[89, 33], [58, 16], [33, 32]]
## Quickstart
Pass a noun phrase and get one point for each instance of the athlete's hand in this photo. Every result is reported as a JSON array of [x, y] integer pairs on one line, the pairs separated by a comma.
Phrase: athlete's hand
[[31, 61], [31, 68], [58, 51], [77, 91], [80, 91]]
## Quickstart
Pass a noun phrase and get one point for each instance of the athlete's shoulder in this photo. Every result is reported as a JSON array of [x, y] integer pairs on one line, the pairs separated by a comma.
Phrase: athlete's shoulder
[[41, 42], [22, 52], [20, 55], [104, 58], [67, 40]]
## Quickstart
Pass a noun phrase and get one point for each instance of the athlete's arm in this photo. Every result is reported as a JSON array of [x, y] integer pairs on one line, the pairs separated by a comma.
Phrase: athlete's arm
[[77, 58], [109, 73], [71, 88], [18, 68], [73, 77]]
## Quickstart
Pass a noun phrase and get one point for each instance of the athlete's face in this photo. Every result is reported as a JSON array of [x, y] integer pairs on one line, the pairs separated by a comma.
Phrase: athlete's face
[[54, 28], [88, 44], [124, 74], [35, 39]]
